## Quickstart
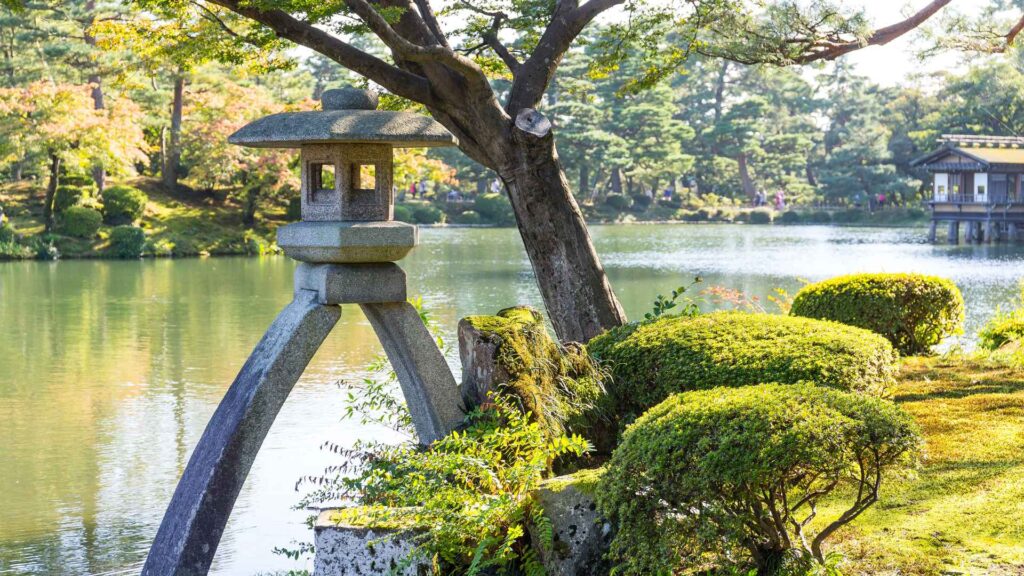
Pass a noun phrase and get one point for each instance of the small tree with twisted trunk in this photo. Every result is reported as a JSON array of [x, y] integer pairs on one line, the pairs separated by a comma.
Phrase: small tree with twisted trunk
[[524, 41]]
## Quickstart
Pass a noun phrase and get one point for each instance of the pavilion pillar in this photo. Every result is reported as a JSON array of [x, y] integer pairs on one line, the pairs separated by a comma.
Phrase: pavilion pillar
[[1011, 232], [954, 232], [989, 232], [931, 231]]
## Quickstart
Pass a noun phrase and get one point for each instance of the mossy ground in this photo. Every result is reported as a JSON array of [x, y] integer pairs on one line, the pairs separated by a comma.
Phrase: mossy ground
[[185, 223], [964, 511]]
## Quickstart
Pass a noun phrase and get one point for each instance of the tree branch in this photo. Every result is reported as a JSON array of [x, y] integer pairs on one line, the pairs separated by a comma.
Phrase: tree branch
[[427, 13], [567, 22], [879, 37], [394, 79], [491, 39]]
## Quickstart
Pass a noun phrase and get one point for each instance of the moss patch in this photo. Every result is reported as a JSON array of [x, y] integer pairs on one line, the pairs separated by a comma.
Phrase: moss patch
[[557, 384]]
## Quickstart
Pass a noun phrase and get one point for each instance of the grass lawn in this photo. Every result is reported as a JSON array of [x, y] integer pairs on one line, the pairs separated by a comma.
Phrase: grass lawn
[[964, 511]]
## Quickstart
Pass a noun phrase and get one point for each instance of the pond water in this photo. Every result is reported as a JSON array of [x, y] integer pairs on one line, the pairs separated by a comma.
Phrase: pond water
[[110, 370]]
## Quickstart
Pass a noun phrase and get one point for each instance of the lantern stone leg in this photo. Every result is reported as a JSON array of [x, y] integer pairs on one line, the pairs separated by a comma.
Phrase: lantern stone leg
[[347, 244]]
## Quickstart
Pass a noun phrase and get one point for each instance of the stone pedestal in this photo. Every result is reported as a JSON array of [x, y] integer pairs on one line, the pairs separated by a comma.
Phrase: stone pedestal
[[351, 549]]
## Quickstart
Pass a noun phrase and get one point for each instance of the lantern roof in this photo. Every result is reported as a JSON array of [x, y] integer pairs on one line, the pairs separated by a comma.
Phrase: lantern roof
[[349, 116]]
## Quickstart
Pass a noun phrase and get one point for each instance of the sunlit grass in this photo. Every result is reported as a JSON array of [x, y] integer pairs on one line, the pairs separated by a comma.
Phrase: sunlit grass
[[963, 512]]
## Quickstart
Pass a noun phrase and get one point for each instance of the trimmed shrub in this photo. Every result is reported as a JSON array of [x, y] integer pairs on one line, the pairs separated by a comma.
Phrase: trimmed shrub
[[404, 214], [819, 217], [641, 202], [727, 477], [78, 180], [761, 216], [127, 241], [123, 204], [913, 311], [790, 217], [67, 196], [468, 217], [849, 216], [495, 209], [7, 233], [652, 360], [1001, 330], [81, 222], [618, 201], [428, 215]]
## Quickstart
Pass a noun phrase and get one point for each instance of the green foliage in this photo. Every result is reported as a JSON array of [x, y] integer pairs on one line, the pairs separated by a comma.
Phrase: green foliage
[[819, 217], [495, 209], [662, 304], [651, 360], [7, 233], [428, 214], [404, 214], [618, 202], [468, 217], [849, 216], [557, 384], [761, 216], [913, 311], [641, 202], [127, 242], [67, 196], [1005, 326], [790, 217], [732, 477], [82, 222], [470, 489], [123, 204]]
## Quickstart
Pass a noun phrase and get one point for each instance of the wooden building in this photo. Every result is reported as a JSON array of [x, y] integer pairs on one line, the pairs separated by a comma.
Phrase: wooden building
[[976, 181]]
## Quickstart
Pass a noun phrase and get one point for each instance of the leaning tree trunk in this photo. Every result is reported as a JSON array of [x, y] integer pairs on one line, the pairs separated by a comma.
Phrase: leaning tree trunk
[[51, 191], [577, 295]]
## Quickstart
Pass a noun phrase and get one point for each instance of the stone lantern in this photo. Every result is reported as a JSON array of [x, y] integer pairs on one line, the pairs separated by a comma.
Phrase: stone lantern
[[347, 243]]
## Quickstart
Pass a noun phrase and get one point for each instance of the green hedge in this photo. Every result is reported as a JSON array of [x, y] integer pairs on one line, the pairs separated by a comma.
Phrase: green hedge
[[404, 214], [913, 311], [81, 222], [761, 216], [428, 215], [1002, 329], [67, 196], [495, 209], [710, 477], [123, 204], [619, 202], [650, 361], [127, 241], [468, 217]]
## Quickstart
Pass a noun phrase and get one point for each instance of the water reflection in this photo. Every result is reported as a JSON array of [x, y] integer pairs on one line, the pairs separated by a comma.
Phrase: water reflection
[[110, 370]]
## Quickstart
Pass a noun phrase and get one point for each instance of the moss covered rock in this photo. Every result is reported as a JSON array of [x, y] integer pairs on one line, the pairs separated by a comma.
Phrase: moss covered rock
[[512, 353], [650, 361]]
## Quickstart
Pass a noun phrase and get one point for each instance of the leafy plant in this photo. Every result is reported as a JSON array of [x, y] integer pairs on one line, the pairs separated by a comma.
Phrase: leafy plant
[[1005, 326], [913, 311], [127, 241], [123, 204], [688, 307], [81, 222], [733, 477]]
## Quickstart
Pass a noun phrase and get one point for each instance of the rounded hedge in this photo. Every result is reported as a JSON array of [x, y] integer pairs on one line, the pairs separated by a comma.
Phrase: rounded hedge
[[468, 217], [791, 217], [123, 204], [404, 214], [723, 476], [618, 201], [67, 196], [428, 215], [1004, 328], [652, 360], [913, 311], [81, 222], [819, 217], [127, 241], [760, 216], [641, 202], [496, 209]]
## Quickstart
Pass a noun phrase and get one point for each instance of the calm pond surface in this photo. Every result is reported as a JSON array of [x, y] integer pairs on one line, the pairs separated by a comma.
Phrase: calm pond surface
[[110, 370]]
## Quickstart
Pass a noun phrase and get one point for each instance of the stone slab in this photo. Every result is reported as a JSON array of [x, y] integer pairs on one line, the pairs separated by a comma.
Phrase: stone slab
[[345, 550], [581, 535], [353, 283], [293, 129], [347, 242]]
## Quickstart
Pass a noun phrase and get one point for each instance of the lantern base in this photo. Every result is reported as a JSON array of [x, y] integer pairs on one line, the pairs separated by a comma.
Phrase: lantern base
[[347, 242]]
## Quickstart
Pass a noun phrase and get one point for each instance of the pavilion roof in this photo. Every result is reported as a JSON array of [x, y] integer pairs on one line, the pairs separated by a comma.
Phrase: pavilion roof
[[983, 150]]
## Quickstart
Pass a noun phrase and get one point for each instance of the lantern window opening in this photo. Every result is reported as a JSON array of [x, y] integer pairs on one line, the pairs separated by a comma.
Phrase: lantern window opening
[[364, 177], [321, 181]]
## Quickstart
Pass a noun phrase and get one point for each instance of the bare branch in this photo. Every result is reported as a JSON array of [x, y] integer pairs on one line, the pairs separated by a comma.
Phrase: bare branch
[[427, 13], [213, 17], [491, 39], [396, 80]]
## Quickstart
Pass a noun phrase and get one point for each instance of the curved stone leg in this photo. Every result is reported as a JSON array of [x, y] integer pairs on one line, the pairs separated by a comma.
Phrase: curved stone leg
[[195, 519], [427, 383]]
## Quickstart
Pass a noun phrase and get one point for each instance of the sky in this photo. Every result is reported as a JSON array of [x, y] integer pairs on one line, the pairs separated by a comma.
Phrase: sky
[[895, 62]]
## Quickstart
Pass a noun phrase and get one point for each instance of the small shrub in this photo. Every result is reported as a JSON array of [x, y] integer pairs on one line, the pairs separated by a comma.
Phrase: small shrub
[[618, 202], [428, 215], [849, 216], [913, 311], [78, 180], [468, 217], [742, 216], [819, 217], [1004, 328], [123, 204], [81, 222], [651, 360], [641, 202], [760, 216], [7, 233], [67, 196], [294, 211], [790, 217], [731, 477], [404, 214], [495, 209], [704, 214], [127, 241]]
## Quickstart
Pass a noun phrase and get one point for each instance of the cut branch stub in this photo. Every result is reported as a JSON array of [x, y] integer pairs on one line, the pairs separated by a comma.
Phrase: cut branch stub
[[533, 122]]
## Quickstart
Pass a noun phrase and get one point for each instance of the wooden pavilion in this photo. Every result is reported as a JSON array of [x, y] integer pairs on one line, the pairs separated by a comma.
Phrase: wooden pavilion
[[977, 182]]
